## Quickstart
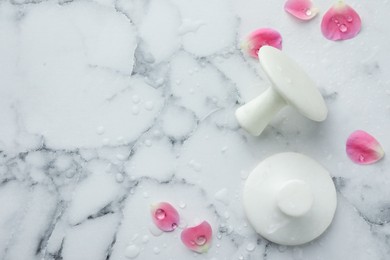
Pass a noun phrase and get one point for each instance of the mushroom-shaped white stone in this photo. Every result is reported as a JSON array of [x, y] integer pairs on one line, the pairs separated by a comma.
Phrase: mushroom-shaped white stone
[[290, 86], [290, 199]]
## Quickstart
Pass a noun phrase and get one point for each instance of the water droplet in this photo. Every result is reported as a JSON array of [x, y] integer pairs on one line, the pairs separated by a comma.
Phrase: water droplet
[[149, 105], [174, 226], [250, 247], [100, 130], [349, 19], [69, 174], [120, 139], [156, 250], [244, 175], [136, 99], [155, 231], [343, 28], [145, 239], [361, 158], [121, 157], [135, 110], [219, 235], [119, 177], [145, 195], [132, 251], [148, 142], [191, 91], [178, 82], [160, 214], [218, 245], [335, 20], [200, 240], [222, 196], [224, 149], [308, 12], [226, 215], [241, 257], [106, 141], [182, 204]]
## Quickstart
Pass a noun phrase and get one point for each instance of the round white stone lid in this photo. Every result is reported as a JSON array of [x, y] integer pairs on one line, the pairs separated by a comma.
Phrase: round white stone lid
[[290, 199]]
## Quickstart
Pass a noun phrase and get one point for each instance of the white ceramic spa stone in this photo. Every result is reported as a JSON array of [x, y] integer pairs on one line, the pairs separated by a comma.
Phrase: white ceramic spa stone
[[290, 199], [290, 86]]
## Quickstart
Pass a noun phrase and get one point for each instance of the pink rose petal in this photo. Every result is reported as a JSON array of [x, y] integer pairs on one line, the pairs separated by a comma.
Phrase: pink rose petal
[[260, 38], [165, 216], [340, 22], [301, 9], [363, 148], [197, 238]]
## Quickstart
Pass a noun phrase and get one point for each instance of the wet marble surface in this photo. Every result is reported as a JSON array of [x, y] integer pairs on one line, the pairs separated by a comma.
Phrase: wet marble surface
[[110, 105]]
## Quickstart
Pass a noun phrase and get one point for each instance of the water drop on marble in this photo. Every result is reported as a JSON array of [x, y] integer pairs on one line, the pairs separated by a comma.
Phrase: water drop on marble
[[149, 105], [160, 81], [155, 231], [70, 174], [230, 230], [224, 149], [197, 167], [191, 90], [121, 157], [106, 141], [157, 133], [244, 175], [222, 196], [120, 139], [145, 239], [136, 99], [182, 204], [308, 12], [226, 215], [250, 247], [156, 250], [132, 251], [241, 257], [218, 245], [148, 142], [145, 195], [219, 235], [132, 191], [135, 110], [343, 28], [100, 130], [119, 177], [282, 248]]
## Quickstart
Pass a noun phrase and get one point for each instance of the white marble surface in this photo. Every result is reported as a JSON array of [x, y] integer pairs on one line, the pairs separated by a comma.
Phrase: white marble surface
[[107, 106]]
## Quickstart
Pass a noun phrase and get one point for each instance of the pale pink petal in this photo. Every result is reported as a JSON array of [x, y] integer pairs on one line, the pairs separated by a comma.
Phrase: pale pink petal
[[259, 38], [341, 22], [165, 216], [363, 148], [198, 238], [301, 9]]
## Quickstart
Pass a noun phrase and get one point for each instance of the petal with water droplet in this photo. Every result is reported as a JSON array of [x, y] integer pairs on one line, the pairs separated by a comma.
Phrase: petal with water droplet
[[340, 22], [165, 216], [363, 148], [197, 238], [301, 9], [259, 38]]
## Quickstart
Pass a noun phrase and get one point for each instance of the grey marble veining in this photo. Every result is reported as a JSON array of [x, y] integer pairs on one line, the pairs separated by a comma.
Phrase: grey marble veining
[[110, 105]]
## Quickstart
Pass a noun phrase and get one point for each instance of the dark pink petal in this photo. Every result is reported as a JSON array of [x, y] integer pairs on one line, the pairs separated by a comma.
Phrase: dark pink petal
[[165, 216], [198, 238], [340, 22], [259, 38], [363, 148], [301, 9]]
